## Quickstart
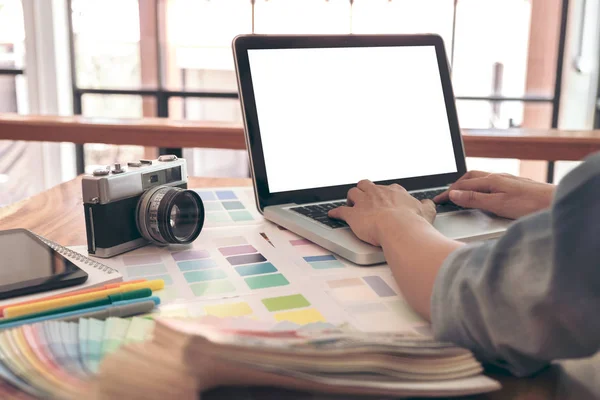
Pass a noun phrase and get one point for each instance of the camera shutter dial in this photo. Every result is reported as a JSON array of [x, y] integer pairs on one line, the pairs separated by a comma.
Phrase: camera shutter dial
[[101, 172], [167, 157]]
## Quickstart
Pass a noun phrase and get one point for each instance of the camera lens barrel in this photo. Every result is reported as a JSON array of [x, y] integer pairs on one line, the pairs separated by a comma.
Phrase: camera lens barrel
[[169, 215]]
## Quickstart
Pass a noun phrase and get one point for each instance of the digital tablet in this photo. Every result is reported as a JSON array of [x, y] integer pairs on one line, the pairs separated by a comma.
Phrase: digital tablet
[[28, 265]]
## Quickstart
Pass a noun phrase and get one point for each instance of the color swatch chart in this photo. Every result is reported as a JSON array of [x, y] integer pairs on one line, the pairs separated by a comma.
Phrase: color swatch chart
[[267, 273], [56, 359], [373, 301], [217, 266], [311, 258], [229, 206], [303, 306]]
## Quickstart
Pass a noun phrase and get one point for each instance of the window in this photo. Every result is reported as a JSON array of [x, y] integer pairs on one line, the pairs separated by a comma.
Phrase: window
[[12, 56], [14, 156], [108, 59], [178, 53]]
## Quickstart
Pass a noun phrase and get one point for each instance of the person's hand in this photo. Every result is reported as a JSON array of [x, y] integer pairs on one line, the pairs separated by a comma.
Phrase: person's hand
[[370, 205], [502, 194]]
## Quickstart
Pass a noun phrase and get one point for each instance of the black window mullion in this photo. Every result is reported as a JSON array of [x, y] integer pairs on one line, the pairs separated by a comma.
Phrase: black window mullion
[[12, 71]]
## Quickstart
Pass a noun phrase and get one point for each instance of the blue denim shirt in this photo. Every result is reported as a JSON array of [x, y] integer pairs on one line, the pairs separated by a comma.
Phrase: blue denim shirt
[[533, 295]]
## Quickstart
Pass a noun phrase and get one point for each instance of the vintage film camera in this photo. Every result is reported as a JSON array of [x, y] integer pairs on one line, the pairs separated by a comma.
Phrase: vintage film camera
[[145, 202]]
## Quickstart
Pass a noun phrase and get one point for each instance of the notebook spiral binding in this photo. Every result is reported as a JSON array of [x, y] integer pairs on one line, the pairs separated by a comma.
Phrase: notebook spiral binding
[[76, 256]]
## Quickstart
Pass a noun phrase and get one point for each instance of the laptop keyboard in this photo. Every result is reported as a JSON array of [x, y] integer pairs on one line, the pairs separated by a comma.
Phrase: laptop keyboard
[[318, 212], [440, 208]]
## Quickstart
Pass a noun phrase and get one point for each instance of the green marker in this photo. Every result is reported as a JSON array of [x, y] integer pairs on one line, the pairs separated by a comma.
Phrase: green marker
[[108, 300]]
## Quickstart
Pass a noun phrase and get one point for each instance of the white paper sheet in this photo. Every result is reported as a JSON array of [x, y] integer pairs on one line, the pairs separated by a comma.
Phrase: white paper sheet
[[256, 269]]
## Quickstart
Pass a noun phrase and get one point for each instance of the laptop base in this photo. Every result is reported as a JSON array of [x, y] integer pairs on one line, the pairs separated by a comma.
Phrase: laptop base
[[466, 226]]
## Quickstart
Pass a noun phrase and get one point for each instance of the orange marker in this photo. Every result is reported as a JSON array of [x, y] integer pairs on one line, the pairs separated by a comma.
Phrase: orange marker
[[74, 293]]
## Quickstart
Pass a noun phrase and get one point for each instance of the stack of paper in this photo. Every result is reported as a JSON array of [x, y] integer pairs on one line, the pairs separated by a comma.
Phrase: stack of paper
[[56, 359], [188, 356]]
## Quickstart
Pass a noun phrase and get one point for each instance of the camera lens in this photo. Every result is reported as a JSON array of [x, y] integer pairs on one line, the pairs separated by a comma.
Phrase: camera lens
[[170, 215]]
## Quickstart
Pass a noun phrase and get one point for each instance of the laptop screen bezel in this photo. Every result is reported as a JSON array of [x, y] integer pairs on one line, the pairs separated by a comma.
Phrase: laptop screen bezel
[[243, 43]]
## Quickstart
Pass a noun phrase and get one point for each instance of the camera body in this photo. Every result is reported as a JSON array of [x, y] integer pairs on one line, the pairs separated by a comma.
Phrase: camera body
[[111, 196]]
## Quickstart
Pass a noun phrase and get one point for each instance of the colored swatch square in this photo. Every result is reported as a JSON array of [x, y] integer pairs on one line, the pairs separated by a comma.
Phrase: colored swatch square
[[166, 277], [213, 206], [228, 310], [246, 259], [353, 294], [142, 259], [206, 195], [241, 216], [379, 286], [210, 288], [256, 269], [327, 264], [190, 255], [266, 281], [236, 250], [285, 302], [226, 195], [301, 317], [194, 265], [328, 257], [230, 241], [217, 217], [146, 270], [201, 276], [300, 242], [233, 205], [340, 283]]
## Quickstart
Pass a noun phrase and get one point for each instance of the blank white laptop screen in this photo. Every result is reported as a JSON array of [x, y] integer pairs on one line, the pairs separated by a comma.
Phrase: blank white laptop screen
[[334, 116]]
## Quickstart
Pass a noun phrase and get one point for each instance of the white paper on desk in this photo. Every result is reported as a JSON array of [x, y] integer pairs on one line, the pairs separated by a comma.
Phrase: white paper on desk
[[278, 285], [221, 263], [369, 296]]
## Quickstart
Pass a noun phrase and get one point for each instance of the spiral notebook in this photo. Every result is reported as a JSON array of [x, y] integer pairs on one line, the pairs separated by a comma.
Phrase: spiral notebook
[[98, 273]]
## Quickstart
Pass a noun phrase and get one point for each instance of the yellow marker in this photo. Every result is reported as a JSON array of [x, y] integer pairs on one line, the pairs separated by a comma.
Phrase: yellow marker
[[32, 308]]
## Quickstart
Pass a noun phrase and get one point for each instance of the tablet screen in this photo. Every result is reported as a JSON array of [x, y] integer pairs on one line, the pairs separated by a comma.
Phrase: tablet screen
[[25, 260]]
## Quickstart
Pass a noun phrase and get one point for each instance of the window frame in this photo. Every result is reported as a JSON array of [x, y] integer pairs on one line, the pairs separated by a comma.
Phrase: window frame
[[163, 95]]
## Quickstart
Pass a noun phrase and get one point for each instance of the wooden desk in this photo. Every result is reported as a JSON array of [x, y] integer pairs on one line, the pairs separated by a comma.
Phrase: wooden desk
[[58, 215]]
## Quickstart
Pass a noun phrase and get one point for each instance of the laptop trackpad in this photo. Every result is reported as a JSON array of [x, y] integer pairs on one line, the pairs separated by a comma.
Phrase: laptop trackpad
[[470, 225]]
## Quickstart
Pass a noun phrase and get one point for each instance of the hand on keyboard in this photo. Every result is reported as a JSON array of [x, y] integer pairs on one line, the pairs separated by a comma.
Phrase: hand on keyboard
[[443, 207], [318, 212], [376, 209], [502, 194]]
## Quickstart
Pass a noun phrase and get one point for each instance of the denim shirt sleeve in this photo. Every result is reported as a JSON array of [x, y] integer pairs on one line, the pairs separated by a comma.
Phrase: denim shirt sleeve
[[533, 295]]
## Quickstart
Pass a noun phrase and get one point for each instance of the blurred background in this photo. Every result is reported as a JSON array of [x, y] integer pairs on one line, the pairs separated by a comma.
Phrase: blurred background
[[172, 59]]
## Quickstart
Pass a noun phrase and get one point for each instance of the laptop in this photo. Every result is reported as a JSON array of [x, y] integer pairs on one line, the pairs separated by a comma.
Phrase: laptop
[[323, 112]]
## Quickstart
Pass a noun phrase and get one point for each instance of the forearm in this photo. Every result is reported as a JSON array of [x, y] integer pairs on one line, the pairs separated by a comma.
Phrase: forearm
[[415, 251]]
